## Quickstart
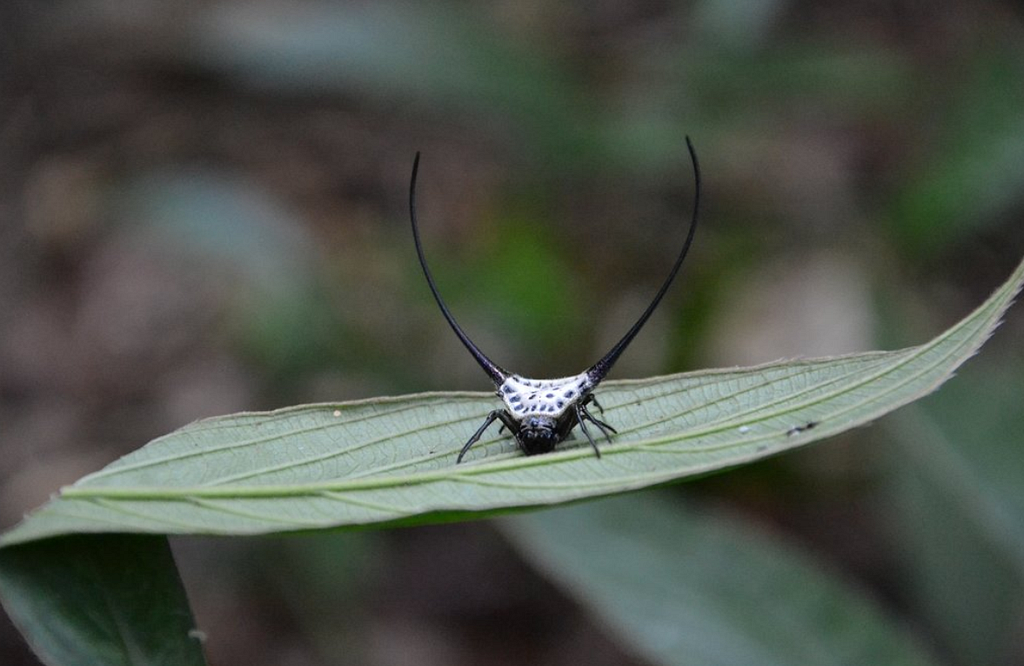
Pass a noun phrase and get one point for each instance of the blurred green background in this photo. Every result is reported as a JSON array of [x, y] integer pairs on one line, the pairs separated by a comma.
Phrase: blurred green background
[[203, 209]]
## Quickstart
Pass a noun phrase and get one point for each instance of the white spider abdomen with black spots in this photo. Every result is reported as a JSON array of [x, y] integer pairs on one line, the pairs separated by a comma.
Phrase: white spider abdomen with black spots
[[543, 397]]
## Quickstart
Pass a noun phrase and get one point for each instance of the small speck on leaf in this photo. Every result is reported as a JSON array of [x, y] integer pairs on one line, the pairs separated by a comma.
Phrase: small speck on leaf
[[796, 430]]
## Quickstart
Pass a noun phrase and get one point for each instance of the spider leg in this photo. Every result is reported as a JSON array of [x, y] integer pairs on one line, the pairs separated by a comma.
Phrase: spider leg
[[491, 418], [601, 425], [507, 423], [504, 421], [593, 399], [582, 417], [583, 426]]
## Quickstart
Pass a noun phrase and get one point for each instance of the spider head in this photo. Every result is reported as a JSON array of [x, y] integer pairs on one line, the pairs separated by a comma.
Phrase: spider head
[[537, 434]]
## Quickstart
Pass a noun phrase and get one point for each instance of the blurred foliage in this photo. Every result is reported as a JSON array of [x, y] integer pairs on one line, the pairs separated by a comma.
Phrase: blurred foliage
[[955, 510], [203, 210], [682, 586], [436, 57], [974, 176]]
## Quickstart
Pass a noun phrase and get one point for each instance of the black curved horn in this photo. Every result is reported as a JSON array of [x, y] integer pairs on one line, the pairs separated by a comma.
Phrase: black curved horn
[[496, 374], [598, 371]]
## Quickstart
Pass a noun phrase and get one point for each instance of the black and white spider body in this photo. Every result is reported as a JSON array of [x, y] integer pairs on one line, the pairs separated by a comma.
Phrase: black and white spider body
[[547, 409], [540, 413]]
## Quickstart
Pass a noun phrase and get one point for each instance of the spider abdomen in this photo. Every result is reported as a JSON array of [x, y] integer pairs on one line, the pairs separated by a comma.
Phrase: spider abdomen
[[552, 398]]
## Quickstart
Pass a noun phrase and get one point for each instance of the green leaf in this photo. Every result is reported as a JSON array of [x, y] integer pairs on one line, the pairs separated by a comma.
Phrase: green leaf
[[100, 599], [393, 459], [682, 588]]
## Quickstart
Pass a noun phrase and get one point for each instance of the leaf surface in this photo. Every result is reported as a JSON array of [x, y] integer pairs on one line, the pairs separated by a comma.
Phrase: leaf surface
[[393, 459]]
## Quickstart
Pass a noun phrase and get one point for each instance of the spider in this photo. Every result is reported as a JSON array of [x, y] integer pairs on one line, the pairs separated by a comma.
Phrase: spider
[[540, 413]]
